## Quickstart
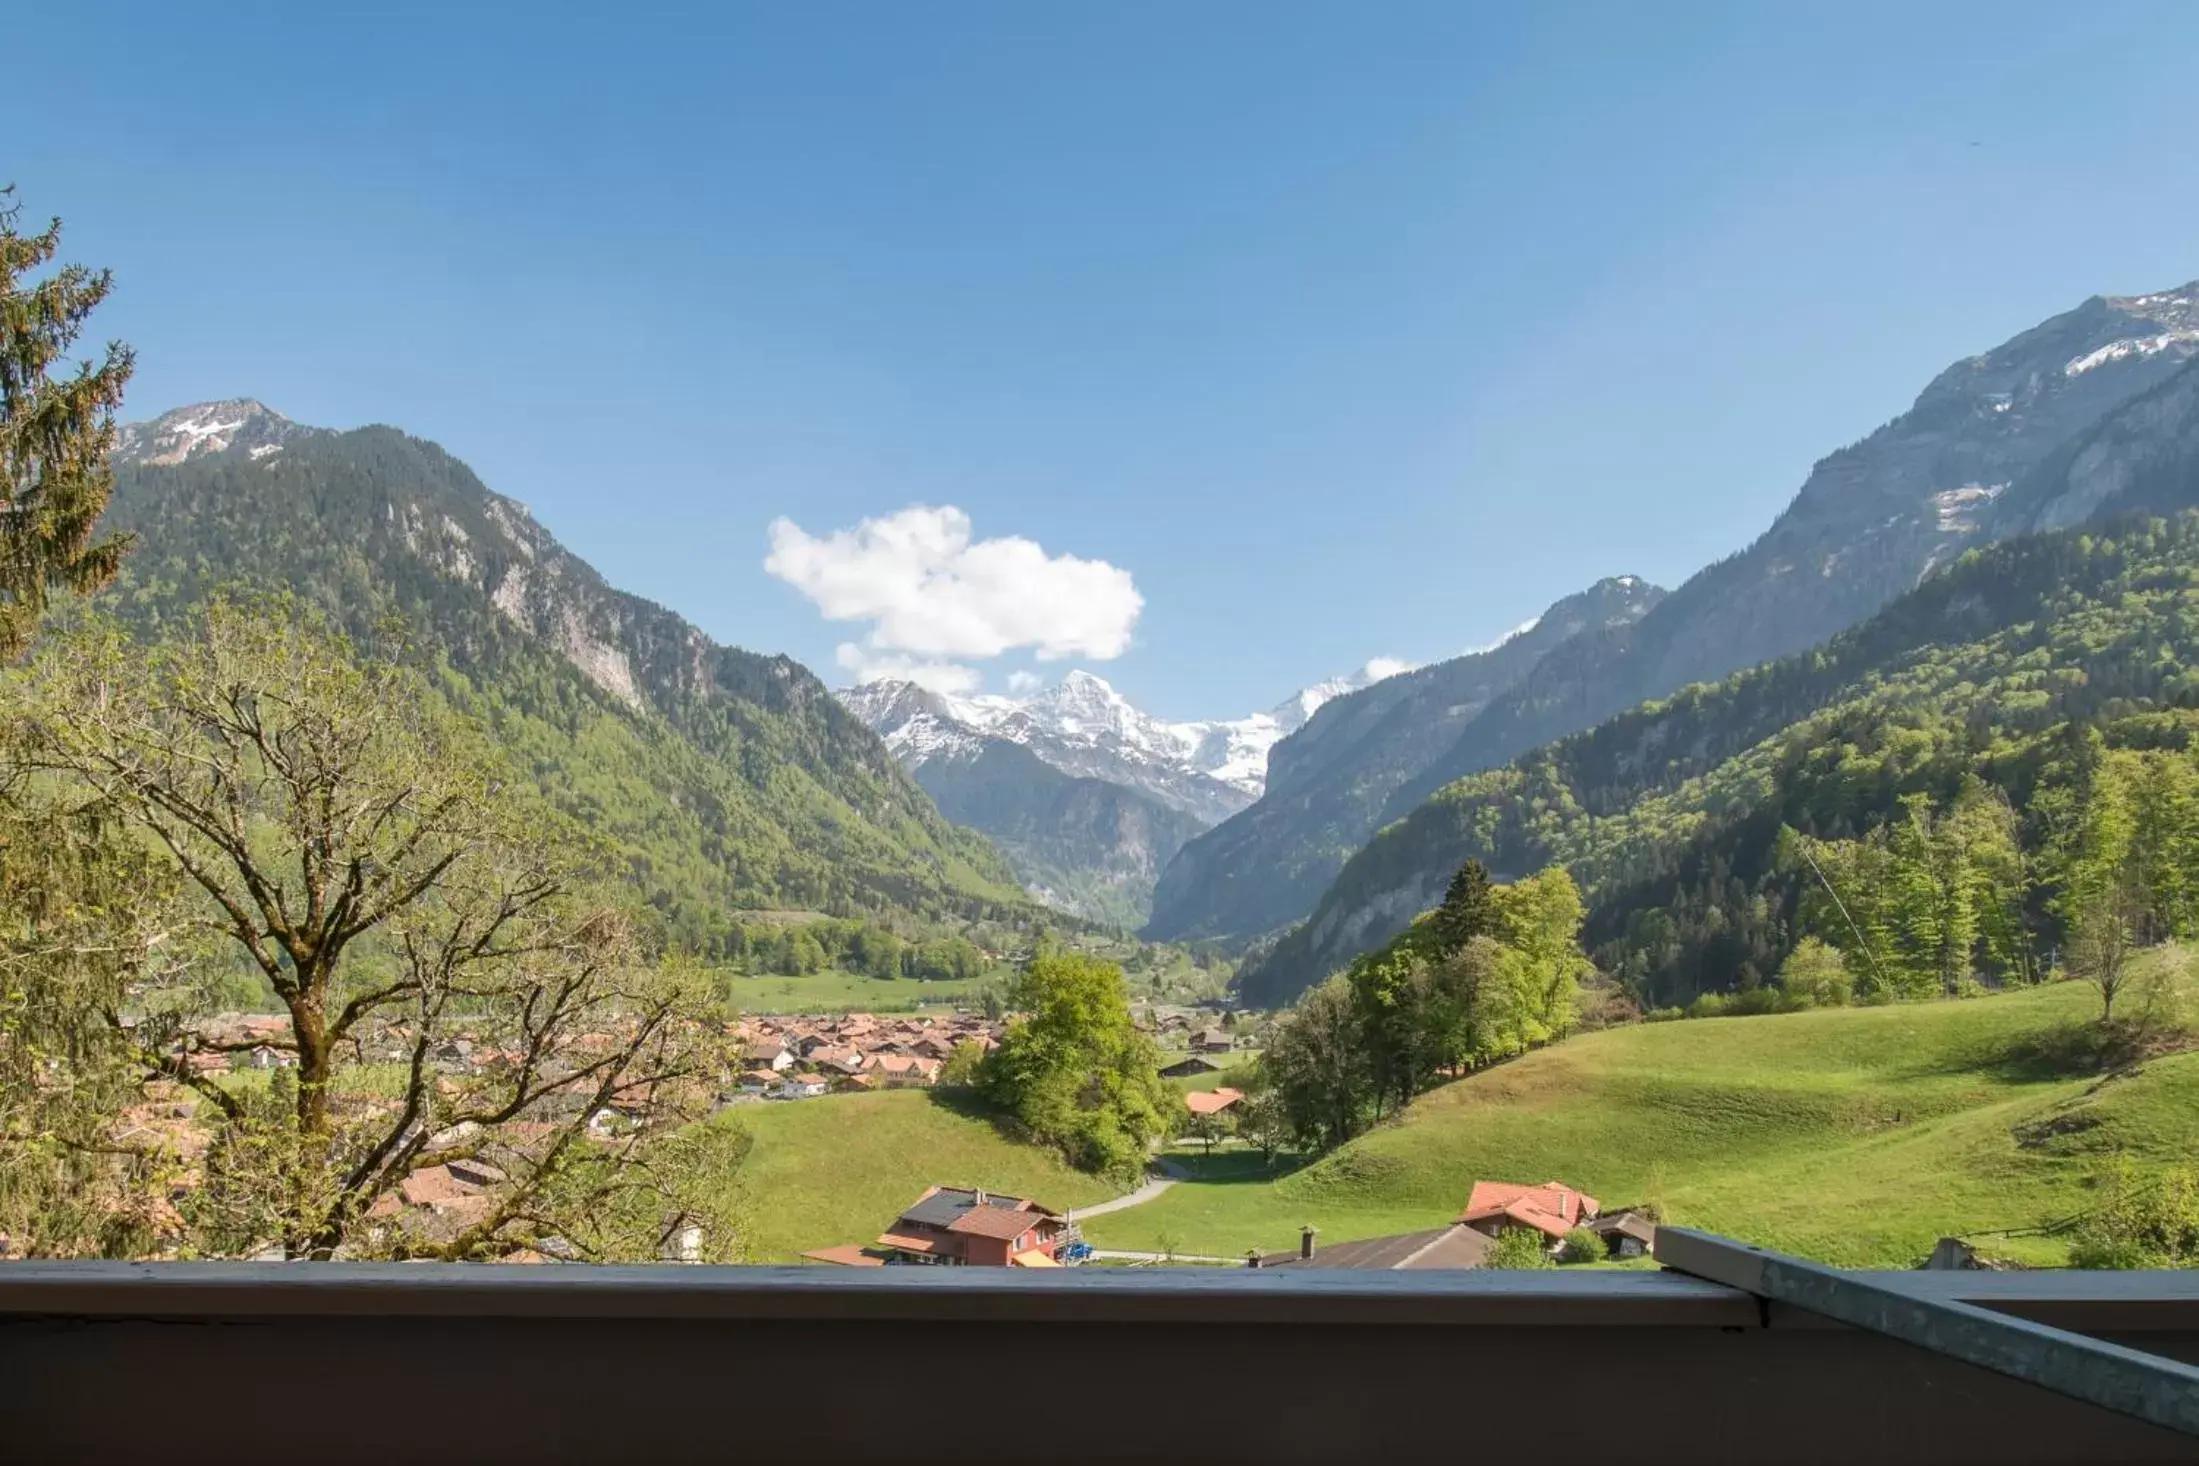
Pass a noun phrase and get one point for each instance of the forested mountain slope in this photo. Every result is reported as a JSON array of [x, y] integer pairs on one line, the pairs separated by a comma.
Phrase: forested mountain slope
[[1869, 521], [1328, 782], [1670, 815], [720, 778]]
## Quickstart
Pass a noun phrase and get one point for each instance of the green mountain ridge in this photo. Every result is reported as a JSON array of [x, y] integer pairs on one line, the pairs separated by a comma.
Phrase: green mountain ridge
[[1329, 781], [1669, 814], [721, 779], [1871, 520]]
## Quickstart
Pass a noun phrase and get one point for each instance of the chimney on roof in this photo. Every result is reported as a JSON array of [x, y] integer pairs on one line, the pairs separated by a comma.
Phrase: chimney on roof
[[1252, 1258], [1305, 1243], [980, 1193]]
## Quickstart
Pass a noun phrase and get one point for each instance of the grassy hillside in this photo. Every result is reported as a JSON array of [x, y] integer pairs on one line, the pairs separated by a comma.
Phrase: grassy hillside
[[1858, 1136], [835, 1170]]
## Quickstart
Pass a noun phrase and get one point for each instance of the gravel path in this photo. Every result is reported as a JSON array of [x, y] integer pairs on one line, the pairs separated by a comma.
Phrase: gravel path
[[1168, 1173]]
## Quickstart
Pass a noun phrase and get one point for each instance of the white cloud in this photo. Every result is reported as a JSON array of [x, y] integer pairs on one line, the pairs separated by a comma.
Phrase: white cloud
[[864, 665], [1021, 682], [933, 594], [1380, 668]]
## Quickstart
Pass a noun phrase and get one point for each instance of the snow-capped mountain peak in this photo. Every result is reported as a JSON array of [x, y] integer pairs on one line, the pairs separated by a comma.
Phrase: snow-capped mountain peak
[[1081, 725], [1082, 703], [206, 428]]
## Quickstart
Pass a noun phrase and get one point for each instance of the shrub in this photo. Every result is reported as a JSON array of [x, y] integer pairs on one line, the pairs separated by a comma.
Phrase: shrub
[[1581, 1245], [965, 1066], [1519, 1247], [1751, 1001], [2141, 1222], [1817, 974]]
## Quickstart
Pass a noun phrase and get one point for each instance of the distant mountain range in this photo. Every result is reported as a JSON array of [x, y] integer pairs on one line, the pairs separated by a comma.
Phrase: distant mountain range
[[2094, 412], [1088, 795], [717, 779]]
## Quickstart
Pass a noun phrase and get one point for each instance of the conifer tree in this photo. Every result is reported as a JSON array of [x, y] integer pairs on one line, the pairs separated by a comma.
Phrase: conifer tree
[[1468, 910], [56, 428]]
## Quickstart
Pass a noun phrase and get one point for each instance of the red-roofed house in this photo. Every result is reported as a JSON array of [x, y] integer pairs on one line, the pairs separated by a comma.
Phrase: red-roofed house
[[1551, 1208], [976, 1228], [1212, 1101]]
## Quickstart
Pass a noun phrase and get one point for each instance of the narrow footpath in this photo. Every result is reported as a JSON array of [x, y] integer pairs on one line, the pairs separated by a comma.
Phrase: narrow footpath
[[1166, 1173]]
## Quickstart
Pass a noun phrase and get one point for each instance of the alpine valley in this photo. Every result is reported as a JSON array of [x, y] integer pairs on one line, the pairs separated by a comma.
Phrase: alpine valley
[[1622, 721]]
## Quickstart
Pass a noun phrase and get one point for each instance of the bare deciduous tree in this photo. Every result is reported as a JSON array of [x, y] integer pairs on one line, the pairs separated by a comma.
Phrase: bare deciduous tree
[[451, 1000]]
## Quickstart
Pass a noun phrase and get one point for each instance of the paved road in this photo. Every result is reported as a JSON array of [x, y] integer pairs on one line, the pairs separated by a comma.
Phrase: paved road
[[1115, 1256], [1168, 1173]]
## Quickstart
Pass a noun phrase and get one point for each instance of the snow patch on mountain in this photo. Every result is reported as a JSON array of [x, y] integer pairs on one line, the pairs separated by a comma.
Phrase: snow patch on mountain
[[206, 428], [1081, 725], [2128, 347]]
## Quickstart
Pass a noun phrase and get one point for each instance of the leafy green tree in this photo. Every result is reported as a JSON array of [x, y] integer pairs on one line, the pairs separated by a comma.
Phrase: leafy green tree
[[1393, 993], [1260, 1117], [1401, 1018], [804, 954], [1208, 1128], [1075, 1069], [1923, 902], [875, 952], [1817, 974], [1538, 924], [2106, 899], [1318, 1068], [55, 430], [965, 1065]]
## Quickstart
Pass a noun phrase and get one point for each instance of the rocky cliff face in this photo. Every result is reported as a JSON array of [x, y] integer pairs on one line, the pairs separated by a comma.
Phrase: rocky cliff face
[[1329, 781]]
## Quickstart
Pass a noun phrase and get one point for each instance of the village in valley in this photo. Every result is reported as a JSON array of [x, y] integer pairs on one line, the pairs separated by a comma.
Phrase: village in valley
[[786, 1058]]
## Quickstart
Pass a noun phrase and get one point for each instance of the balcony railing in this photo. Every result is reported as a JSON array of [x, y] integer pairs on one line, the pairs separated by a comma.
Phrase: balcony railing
[[341, 1362]]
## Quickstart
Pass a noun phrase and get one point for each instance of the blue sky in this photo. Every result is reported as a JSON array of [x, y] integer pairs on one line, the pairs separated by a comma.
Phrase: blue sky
[[1333, 330]]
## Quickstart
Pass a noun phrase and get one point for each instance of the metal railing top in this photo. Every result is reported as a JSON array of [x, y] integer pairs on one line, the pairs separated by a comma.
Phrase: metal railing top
[[1556, 1297]]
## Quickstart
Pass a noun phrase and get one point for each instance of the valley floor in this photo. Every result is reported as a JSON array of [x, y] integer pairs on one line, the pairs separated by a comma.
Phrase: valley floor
[[845, 992]]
